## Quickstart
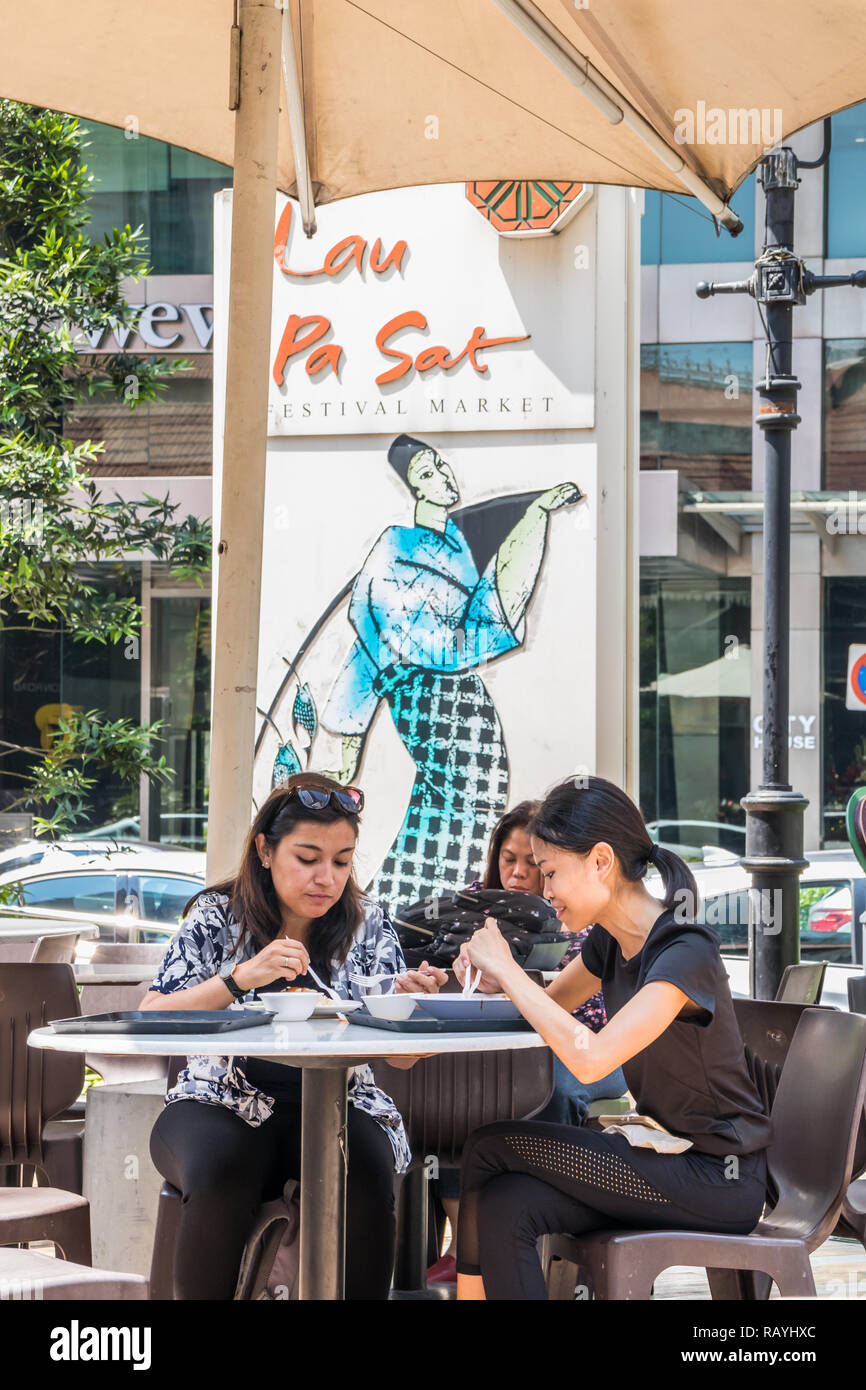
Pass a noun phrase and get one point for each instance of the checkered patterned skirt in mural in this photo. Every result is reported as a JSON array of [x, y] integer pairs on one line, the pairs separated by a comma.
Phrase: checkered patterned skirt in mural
[[450, 727]]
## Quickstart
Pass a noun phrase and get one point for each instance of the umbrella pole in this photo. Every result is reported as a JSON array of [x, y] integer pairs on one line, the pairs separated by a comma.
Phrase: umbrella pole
[[238, 562], [774, 813]]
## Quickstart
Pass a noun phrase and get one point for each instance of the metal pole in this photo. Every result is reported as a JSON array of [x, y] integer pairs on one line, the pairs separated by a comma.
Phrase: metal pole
[[323, 1183], [774, 814], [239, 551]]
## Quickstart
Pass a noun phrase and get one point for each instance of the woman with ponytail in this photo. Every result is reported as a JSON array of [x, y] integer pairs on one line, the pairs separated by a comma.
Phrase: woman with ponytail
[[671, 1026]]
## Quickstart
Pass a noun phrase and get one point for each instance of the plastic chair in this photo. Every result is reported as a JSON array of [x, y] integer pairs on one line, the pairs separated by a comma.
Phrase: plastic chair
[[46, 1213], [802, 984], [26, 1274], [857, 994], [443, 1100], [37, 1085], [816, 1114]]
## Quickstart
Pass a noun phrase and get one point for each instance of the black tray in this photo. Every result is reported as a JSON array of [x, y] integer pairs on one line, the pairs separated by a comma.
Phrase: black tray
[[429, 1024], [144, 1021]]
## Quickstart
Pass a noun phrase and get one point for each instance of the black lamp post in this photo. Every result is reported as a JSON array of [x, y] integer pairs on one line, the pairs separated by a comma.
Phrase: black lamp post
[[774, 813]]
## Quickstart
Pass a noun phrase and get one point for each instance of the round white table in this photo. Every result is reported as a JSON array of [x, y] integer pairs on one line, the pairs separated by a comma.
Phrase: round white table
[[331, 1048]]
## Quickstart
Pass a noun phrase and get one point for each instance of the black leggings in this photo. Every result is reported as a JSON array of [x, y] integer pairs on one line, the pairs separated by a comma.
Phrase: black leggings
[[225, 1168], [524, 1180]]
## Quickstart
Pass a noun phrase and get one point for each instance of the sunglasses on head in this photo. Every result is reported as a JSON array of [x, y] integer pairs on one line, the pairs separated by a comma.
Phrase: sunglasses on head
[[349, 799]]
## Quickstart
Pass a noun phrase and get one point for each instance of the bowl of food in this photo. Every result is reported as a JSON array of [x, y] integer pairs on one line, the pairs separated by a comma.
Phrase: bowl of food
[[395, 1007], [292, 1004]]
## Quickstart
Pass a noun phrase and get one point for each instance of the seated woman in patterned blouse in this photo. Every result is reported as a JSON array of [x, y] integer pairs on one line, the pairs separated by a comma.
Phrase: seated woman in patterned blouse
[[511, 864], [229, 1136]]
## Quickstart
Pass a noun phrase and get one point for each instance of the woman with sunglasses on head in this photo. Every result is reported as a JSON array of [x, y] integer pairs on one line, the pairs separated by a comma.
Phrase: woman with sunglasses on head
[[672, 1028], [229, 1136]]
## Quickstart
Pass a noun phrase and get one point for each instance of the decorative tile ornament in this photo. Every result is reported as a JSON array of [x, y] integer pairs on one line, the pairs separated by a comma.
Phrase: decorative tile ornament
[[527, 207]]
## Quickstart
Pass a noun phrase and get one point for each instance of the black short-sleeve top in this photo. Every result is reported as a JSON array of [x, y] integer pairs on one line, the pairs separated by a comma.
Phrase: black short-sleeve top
[[693, 1078]]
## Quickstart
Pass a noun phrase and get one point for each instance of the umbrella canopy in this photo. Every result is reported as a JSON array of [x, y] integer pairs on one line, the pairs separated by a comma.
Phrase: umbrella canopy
[[403, 92]]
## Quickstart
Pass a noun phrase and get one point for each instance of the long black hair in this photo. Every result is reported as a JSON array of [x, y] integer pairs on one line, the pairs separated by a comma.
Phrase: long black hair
[[584, 811], [252, 897]]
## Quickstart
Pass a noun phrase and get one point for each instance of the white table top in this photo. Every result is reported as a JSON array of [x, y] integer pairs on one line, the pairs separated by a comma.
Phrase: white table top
[[124, 973], [19, 929], [320, 1042]]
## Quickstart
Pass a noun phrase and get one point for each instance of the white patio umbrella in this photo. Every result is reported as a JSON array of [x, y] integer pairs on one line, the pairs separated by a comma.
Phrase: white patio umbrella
[[391, 93]]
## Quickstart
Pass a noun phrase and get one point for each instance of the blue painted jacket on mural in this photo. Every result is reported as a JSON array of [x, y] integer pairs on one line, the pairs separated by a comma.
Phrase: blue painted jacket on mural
[[418, 602]]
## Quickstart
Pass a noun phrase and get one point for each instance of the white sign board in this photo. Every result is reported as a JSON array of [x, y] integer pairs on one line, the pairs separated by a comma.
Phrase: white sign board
[[430, 603], [408, 312]]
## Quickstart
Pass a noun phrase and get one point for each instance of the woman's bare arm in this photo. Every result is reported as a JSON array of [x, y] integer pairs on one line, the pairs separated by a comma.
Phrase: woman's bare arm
[[573, 986]]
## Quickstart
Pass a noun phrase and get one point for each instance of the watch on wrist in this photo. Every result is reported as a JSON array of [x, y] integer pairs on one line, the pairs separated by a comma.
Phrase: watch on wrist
[[231, 984]]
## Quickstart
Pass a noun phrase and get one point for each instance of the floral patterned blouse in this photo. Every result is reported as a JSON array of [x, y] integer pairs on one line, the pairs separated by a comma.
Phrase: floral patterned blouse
[[205, 943]]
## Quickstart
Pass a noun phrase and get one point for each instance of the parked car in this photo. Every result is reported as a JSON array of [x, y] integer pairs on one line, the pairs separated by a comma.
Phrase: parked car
[[186, 827], [697, 840], [832, 901], [135, 892]]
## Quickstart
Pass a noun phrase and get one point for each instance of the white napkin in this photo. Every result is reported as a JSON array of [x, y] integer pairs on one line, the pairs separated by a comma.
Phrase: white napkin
[[643, 1132]]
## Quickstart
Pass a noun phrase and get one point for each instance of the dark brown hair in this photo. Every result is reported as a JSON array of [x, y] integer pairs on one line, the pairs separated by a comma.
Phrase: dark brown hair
[[252, 898], [516, 819]]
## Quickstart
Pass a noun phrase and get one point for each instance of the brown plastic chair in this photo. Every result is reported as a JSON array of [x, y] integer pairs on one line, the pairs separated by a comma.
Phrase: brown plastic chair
[[853, 1219], [443, 1100], [816, 1115], [26, 1274], [857, 994], [36, 1085], [803, 983], [46, 1213]]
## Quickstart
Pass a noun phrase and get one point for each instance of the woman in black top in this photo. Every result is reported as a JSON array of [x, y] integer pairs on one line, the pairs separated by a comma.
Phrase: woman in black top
[[671, 1026]]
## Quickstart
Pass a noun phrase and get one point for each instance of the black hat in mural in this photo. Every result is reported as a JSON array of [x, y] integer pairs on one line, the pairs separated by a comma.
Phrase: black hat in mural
[[402, 452]]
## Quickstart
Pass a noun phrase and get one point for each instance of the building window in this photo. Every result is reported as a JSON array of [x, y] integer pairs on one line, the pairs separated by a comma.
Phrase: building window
[[48, 674], [694, 709], [844, 413], [696, 413], [176, 811], [844, 730], [678, 230], [168, 191], [846, 185], [171, 435]]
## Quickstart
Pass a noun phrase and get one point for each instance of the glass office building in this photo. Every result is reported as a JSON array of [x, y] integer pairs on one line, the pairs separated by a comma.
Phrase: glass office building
[[157, 449], [701, 600]]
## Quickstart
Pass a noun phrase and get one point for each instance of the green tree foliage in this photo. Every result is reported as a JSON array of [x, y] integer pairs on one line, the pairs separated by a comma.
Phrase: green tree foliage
[[55, 281]]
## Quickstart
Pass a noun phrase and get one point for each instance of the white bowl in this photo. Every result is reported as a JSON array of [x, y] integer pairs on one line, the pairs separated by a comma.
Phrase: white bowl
[[392, 1006], [296, 1006]]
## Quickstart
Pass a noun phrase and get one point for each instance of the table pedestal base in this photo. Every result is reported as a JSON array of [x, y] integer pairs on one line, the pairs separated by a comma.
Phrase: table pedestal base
[[323, 1184]]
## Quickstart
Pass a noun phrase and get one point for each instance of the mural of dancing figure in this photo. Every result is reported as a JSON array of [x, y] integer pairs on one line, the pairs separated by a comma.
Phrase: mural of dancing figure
[[425, 621]]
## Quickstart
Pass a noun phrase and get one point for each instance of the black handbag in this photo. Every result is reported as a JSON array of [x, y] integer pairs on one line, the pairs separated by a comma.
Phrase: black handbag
[[435, 928]]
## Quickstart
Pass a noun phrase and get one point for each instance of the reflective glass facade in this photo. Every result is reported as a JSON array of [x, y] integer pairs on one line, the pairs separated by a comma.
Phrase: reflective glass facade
[[696, 410]]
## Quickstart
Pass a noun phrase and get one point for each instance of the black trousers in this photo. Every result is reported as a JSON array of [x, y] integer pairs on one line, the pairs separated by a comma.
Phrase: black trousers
[[225, 1168], [525, 1180]]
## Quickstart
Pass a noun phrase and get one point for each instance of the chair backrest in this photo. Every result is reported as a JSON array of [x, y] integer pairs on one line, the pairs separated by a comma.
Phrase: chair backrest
[[55, 948], [444, 1099], [857, 994], [127, 953], [816, 1118], [803, 983], [767, 1029], [35, 1084], [15, 952]]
